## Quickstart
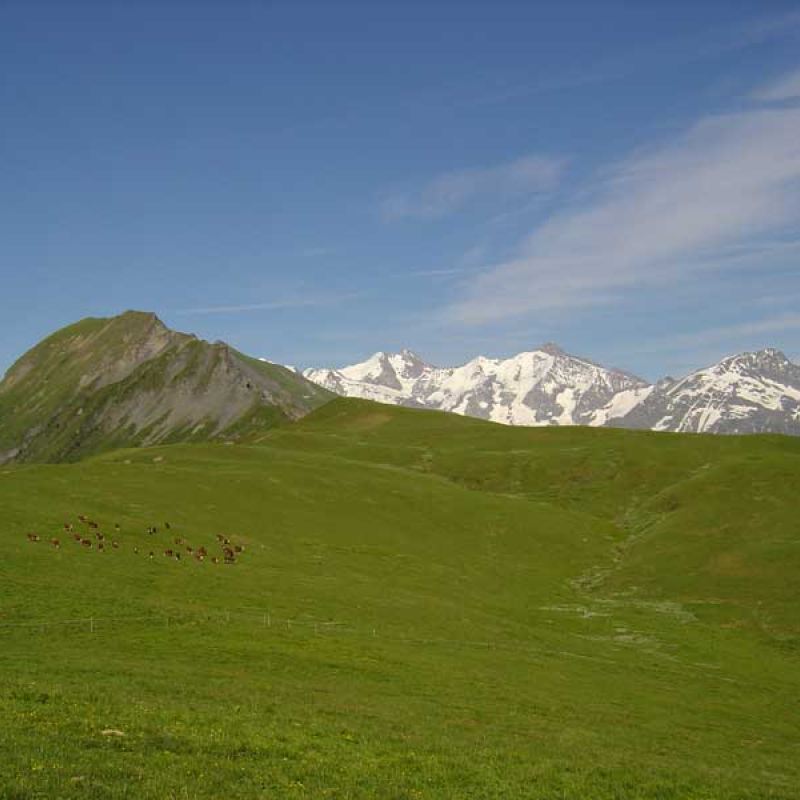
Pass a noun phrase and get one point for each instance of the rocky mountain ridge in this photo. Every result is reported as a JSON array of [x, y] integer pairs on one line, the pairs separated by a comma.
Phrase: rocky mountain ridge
[[129, 380], [755, 392]]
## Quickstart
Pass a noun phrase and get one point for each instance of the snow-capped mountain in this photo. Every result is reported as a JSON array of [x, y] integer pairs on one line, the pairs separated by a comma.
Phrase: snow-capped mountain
[[748, 393], [542, 387]]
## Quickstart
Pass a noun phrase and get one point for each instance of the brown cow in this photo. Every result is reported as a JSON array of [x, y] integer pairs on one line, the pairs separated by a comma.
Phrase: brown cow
[[214, 560], [32, 537], [115, 544], [168, 553], [93, 525], [101, 547], [86, 542], [55, 542], [77, 537], [238, 548]]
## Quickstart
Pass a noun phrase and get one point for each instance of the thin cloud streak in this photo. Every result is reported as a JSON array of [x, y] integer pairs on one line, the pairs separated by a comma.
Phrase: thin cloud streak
[[657, 218], [786, 88], [308, 301], [720, 334], [452, 191]]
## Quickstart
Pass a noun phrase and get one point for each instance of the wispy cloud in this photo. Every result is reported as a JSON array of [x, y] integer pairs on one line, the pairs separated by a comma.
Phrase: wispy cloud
[[316, 252], [785, 88], [289, 302], [444, 272], [656, 218], [720, 334], [668, 53], [452, 191]]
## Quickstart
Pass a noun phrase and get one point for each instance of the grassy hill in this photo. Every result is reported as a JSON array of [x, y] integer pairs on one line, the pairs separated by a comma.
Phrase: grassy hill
[[426, 606], [129, 381]]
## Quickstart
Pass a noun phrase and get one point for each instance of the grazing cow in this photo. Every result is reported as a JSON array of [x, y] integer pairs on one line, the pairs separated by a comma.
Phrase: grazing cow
[[101, 547], [68, 527], [220, 537], [86, 542], [55, 542], [32, 537], [199, 556], [77, 537], [179, 540], [93, 525], [166, 525], [177, 556], [202, 551], [151, 555], [100, 537], [225, 540], [115, 544], [168, 553], [230, 560], [238, 548], [214, 560], [136, 550], [83, 518], [116, 527]]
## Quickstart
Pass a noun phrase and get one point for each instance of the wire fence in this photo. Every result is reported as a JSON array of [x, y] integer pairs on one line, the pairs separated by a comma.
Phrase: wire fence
[[270, 622]]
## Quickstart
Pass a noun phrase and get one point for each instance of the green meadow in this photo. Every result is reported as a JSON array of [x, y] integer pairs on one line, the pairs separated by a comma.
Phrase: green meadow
[[426, 606]]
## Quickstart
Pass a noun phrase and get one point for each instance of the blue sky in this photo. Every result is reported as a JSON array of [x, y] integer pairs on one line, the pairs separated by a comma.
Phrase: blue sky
[[314, 182]]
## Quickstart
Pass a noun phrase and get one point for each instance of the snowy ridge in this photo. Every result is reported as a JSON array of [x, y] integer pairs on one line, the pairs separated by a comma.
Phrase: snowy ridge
[[748, 393], [541, 387]]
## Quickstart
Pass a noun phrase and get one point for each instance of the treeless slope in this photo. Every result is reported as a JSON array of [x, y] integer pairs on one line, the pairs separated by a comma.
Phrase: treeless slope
[[129, 380]]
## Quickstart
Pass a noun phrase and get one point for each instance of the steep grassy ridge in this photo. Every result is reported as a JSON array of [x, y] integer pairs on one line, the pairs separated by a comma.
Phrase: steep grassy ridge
[[536, 628], [129, 380]]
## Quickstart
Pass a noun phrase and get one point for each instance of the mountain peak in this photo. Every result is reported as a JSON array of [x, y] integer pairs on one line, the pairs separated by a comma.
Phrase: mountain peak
[[552, 349], [129, 380]]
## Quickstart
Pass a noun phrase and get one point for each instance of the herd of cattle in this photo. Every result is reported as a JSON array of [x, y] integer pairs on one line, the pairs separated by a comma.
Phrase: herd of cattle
[[90, 536]]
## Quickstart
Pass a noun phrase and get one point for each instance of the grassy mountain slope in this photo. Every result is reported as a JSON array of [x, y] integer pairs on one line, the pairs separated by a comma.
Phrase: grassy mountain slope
[[456, 610], [129, 380], [706, 520]]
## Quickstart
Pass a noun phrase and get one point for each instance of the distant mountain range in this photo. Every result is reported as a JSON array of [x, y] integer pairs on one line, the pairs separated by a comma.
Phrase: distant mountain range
[[755, 392], [129, 381]]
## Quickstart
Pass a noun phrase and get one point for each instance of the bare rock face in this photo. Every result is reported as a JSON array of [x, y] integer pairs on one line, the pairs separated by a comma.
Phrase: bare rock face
[[748, 393], [130, 380]]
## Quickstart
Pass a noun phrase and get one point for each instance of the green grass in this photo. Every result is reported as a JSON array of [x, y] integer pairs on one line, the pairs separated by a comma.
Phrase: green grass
[[476, 612]]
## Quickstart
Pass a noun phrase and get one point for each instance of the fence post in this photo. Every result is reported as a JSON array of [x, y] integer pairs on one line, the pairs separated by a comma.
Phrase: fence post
[[91, 625]]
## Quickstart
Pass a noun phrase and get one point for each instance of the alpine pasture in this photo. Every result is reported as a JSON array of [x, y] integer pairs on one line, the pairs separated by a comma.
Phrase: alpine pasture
[[424, 606]]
